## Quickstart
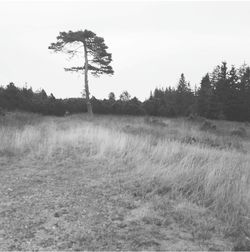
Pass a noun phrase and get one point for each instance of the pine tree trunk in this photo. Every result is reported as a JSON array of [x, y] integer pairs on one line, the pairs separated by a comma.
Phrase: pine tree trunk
[[89, 106]]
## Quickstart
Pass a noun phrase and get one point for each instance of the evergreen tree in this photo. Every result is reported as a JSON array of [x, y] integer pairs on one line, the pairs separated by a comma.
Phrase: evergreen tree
[[183, 86], [204, 97], [232, 103], [97, 59], [184, 97], [111, 97], [244, 92], [125, 96], [221, 89]]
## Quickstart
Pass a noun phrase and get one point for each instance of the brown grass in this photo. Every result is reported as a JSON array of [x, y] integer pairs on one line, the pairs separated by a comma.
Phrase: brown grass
[[207, 178]]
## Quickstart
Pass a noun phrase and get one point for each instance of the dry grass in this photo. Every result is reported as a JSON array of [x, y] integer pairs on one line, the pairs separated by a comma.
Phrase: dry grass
[[204, 173]]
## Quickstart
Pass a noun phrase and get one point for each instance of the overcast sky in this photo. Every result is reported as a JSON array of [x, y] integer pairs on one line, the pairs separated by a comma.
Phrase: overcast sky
[[152, 43]]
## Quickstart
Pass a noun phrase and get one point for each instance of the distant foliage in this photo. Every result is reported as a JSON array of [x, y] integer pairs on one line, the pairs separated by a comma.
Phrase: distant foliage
[[223, 94], [25, 99]]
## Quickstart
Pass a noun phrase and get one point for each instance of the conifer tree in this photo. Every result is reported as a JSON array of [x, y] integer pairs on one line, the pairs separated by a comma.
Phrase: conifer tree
[[204, 97], [184, 96], [244, 91], [183, 86], [111, 97], [93, 49], [221, 88], [125, 96]]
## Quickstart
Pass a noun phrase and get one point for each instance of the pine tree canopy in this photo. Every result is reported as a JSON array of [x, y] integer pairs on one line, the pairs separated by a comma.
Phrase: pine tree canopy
[[183, 85], [73, 43]]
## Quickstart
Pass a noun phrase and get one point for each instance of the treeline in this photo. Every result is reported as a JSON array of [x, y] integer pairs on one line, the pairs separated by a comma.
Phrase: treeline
[[25, 99], [222, 94], [14, 98]]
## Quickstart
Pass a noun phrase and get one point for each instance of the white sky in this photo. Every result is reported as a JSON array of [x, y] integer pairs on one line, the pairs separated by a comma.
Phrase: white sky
[[152, 43]]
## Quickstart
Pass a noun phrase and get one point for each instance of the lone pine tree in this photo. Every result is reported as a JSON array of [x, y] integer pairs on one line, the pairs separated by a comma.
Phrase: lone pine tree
[[96, 59]]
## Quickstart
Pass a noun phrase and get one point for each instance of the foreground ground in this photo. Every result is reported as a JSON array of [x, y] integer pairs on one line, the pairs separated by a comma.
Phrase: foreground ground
[[122, 184]]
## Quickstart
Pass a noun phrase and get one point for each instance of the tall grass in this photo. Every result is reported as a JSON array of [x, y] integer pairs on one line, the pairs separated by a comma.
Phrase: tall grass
[[218, 179]]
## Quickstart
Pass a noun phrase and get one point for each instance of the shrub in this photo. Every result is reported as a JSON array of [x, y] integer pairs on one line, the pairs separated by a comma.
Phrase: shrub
[[196, 118], [240, 132], [207, 126], [155, 121], [189, 140]]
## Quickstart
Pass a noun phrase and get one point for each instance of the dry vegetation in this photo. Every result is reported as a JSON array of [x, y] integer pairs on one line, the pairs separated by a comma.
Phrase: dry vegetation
[[128, 183]]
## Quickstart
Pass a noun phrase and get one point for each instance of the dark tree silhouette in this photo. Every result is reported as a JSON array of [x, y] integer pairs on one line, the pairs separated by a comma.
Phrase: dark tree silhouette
[[87, 43], [204, 97], [184, 96], [222, 94], [125, 96], [111, 96]]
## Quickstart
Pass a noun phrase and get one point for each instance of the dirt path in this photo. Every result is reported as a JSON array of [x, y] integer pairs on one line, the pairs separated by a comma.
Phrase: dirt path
[[76, 203]]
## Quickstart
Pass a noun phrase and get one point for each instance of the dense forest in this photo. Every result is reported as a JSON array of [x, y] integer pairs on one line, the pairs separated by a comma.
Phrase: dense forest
[[222, 94]]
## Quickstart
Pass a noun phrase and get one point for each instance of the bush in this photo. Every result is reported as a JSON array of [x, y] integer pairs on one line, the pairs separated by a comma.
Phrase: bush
[[207, 126], [189, 140], [240, 132], [155, 121], [195, 118]]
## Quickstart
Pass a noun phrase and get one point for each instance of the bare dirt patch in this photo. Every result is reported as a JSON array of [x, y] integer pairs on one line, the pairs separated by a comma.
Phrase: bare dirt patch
[[77, 203]]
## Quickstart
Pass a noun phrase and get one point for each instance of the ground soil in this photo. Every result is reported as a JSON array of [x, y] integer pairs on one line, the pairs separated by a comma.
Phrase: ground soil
[[72, 202]]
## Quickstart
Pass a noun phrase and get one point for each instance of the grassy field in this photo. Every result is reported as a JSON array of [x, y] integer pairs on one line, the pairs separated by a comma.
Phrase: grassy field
[[123, 183]]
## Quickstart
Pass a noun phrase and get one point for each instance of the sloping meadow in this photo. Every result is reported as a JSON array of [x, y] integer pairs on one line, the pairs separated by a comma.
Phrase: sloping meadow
[[215, 178]]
